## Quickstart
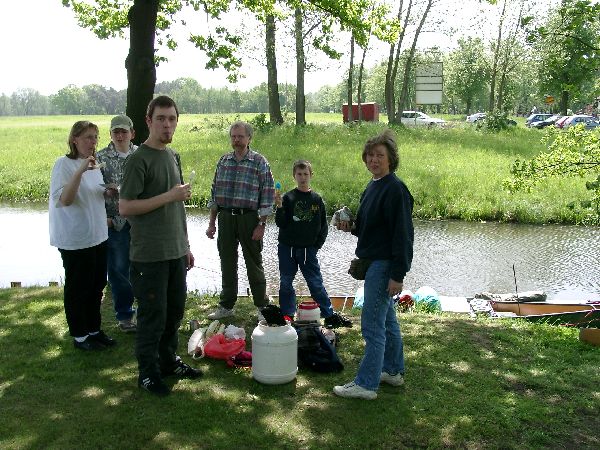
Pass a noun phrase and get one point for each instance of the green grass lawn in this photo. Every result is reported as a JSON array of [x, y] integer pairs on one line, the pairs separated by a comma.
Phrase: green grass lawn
[[469, 384], [453, 173]]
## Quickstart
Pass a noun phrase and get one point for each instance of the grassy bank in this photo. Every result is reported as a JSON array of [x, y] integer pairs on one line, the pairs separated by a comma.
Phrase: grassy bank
[[453, 173], [469, 384]]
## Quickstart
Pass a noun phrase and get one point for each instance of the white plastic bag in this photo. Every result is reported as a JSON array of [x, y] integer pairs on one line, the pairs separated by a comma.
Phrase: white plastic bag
[[233, 332], [196, 343], [342, 215]]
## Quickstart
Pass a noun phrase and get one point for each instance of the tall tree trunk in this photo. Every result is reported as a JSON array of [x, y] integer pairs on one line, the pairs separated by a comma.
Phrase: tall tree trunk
[[141, 71], [350, 76], [496, 57], [393, 117], [300, 100], [360, 78], [564, 102], [389, 86], [507, 55], [273, 88], [409, 61]]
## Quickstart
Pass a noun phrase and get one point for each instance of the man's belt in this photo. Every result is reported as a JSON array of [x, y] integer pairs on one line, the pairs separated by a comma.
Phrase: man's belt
[[237, 211]]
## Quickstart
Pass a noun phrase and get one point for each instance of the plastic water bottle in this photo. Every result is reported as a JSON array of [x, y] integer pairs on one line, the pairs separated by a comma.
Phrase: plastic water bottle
[[192, 178]]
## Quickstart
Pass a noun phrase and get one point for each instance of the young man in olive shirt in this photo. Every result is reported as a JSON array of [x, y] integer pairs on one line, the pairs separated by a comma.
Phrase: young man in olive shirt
[[151, 197]]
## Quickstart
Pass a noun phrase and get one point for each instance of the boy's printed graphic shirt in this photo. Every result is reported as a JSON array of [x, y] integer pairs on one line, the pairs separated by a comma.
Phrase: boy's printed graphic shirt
[[302, 219]]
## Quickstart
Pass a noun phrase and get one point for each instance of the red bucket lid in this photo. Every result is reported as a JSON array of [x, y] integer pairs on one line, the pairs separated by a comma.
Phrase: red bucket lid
[[308, 305]]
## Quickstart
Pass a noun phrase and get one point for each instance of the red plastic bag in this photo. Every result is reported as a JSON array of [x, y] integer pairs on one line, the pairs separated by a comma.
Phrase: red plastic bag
[[219, 347]]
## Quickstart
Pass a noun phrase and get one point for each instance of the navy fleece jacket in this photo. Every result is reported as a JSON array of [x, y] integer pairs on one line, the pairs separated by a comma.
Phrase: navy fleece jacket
[[384, 224]]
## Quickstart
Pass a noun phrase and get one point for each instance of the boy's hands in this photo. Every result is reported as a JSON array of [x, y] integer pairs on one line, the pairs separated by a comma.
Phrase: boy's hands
[[344, 225], [278, 201]]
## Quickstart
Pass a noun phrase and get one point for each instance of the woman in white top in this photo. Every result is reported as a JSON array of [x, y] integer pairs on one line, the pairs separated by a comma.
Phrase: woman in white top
[[78, 229]]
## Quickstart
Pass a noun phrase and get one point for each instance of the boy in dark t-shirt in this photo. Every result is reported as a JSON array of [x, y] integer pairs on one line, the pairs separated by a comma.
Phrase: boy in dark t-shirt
[[302, 223]]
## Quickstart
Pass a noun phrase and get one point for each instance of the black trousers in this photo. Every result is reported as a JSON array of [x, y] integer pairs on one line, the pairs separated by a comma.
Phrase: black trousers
[[161, 290], [85, 279]]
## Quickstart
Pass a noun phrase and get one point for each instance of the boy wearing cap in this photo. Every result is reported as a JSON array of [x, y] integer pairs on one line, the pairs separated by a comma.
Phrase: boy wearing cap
[[114, 157]]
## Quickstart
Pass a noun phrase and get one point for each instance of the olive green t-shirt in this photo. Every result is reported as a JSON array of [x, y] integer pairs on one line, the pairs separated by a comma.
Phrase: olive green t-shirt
[[161, 234]]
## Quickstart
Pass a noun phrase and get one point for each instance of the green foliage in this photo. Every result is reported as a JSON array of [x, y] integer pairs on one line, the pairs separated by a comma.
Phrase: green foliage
[[495, 122], [108, 18], [467, 72], [568, 45], [573, 152], [221, 51], [260, 122]]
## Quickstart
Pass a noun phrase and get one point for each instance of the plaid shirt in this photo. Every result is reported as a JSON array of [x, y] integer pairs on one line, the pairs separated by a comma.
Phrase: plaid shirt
[[245, 184], [113, 173]]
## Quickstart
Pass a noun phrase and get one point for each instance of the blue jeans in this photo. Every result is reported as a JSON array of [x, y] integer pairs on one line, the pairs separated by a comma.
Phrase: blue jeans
[[290, 258], [118, 272], [384, 350]]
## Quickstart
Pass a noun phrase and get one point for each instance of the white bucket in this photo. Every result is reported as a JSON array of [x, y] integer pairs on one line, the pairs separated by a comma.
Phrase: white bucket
[[274, 353], [308, 312]]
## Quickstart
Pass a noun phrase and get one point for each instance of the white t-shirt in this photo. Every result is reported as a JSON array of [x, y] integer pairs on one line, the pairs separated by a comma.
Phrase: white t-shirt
[[82, 224]]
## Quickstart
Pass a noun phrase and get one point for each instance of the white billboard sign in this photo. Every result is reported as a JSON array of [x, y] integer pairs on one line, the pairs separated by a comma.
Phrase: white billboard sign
[[429, 84]]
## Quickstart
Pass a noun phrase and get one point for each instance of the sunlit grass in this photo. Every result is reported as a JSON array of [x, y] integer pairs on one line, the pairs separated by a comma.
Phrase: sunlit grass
[[454, 172]]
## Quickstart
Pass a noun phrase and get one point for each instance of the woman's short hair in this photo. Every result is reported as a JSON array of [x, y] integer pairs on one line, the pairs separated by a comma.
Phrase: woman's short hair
[[162, 101], [77, 130], [388, 140], [302, 164]]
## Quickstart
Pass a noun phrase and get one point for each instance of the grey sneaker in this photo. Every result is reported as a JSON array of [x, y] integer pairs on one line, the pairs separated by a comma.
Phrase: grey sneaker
[[220, 313], [127, 326], [353, 390], [394, 380]]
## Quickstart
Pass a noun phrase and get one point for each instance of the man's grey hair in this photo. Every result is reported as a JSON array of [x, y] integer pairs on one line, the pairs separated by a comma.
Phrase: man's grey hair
[[241, 124]]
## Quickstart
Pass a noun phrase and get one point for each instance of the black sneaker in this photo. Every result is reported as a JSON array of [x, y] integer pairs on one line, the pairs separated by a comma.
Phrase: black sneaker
[[181, 370], [88, 345], [103, 338], [336, 320], [154, 385]]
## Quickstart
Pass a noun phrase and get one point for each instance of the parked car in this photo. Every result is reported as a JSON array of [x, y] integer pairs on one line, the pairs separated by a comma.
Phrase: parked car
[[417, 118], [475, 117], [589, 122], [546, 122], [536, 118], [560, 122]]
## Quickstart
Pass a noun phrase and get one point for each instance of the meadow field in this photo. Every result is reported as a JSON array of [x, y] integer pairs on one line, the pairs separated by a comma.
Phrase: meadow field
[[453, 173]]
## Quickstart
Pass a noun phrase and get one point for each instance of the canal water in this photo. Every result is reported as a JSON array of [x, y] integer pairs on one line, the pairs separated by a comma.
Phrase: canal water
[[454, 258]]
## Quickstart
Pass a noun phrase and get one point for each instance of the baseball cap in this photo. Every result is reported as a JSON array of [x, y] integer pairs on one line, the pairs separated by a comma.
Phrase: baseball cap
[[123, 122]]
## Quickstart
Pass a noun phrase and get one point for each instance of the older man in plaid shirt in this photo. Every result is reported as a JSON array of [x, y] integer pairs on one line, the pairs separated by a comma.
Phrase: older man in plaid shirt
[[242, 197]]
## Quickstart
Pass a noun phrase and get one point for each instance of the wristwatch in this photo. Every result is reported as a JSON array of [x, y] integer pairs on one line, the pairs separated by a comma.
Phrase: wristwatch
[[262, 223]]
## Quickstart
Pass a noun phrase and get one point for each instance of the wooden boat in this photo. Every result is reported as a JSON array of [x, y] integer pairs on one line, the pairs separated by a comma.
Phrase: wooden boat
[[582, 315], [590, 335]]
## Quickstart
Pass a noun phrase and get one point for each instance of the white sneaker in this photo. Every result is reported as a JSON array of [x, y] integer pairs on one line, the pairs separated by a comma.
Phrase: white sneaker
[[260, 315], [220, 313], [353, 390], [394, 380]]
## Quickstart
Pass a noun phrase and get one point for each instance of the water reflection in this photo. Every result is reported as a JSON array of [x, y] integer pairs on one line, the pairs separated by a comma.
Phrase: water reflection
[[455, 258]]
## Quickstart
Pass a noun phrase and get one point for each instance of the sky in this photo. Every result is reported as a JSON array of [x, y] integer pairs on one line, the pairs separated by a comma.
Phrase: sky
[[46, 50]]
